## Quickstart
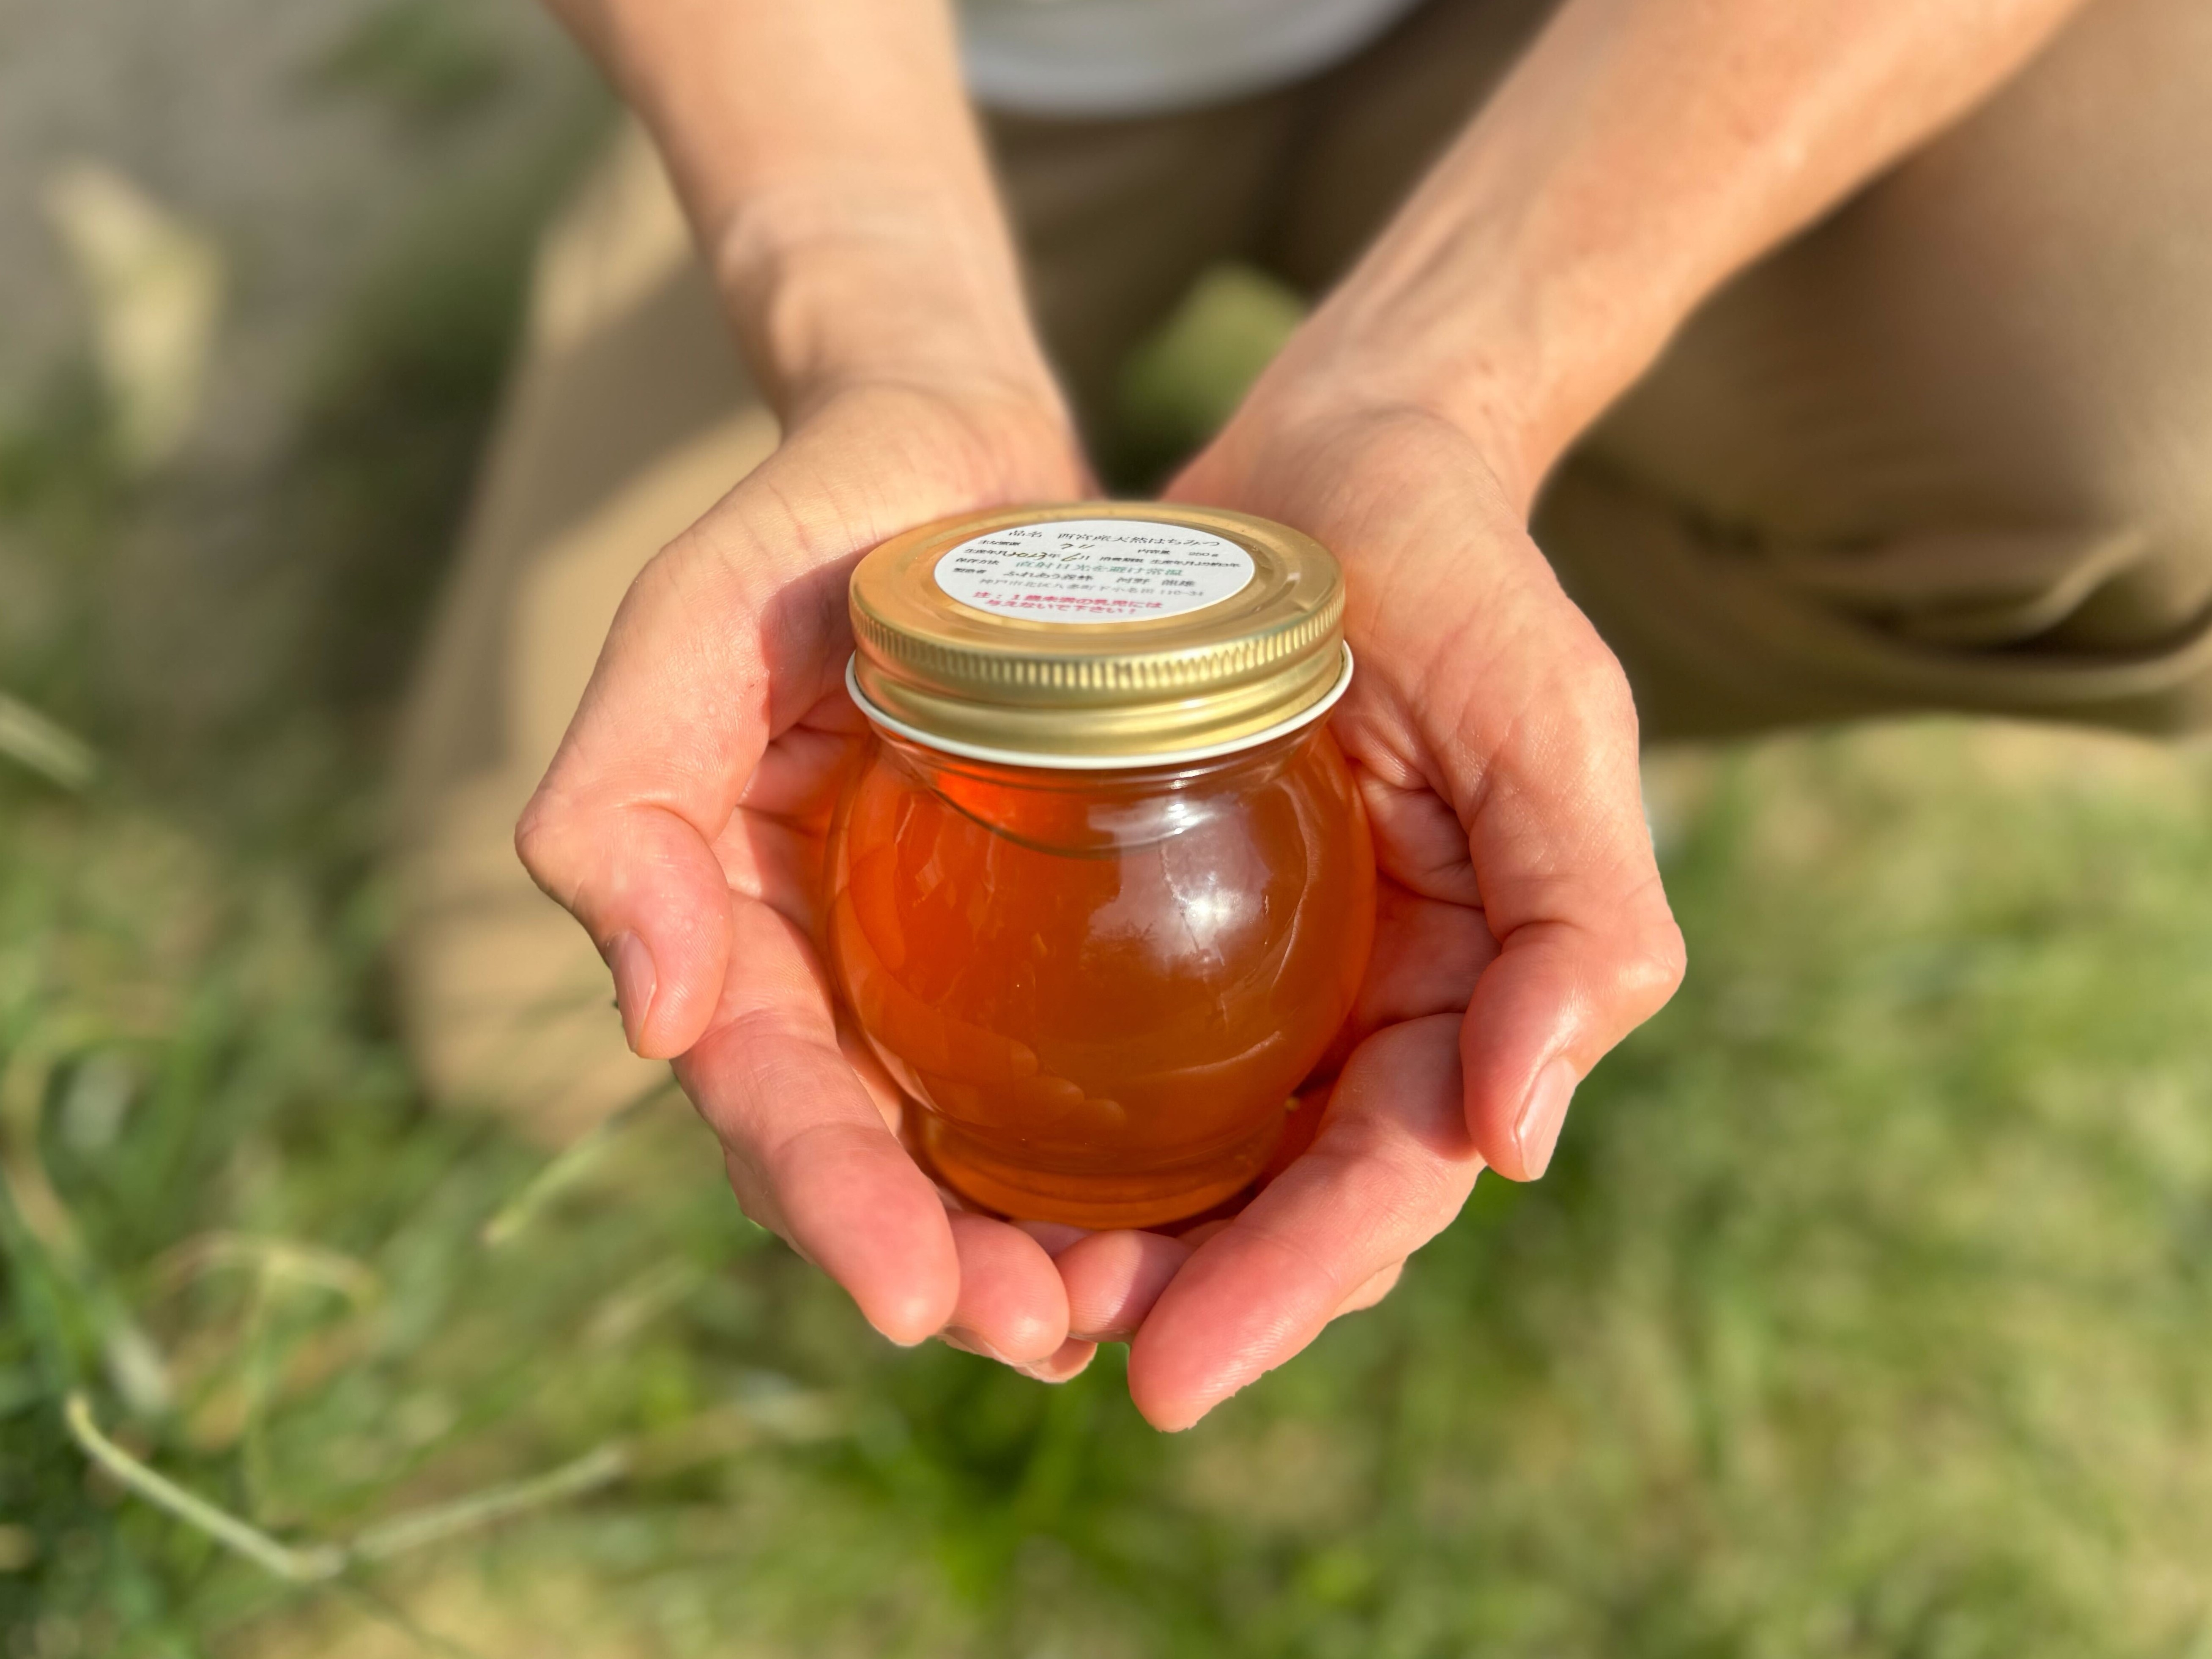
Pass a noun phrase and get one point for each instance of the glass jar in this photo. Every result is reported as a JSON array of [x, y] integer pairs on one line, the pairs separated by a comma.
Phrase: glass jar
[[1099, 964]]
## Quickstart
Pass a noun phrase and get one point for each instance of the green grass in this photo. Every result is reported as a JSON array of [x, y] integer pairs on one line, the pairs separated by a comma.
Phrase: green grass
[[1864, 1314]]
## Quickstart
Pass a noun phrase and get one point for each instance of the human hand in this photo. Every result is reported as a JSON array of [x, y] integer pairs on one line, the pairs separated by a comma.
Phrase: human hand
[[682, 822], [1521, 927]]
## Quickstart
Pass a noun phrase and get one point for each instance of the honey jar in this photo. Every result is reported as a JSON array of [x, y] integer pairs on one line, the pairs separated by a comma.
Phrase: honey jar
[[1101, 891]]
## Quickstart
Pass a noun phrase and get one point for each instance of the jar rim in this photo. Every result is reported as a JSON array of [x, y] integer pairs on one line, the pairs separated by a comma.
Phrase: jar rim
[[1108, 631], [1067, 763]]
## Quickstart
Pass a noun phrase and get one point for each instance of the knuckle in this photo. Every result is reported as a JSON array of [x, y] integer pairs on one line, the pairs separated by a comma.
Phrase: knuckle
[[1603, 678], [1654, 967], [1607, 699], [538, 838], [1590, 681], [556, 849]]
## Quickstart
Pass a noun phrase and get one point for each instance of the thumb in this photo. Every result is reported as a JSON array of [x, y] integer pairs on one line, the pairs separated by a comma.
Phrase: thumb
[[622, 829], [1587, 948], [649, 890]]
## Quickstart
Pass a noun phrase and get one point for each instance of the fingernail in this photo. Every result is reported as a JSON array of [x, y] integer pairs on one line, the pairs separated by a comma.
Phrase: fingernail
[[967, 1342], [1072, 1359], [635, 981], [1537, 1132], [1111, 1334]]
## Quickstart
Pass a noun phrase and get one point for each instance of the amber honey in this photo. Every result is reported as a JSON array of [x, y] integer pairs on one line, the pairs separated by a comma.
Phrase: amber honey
[[1102, 988], [1100, 972]]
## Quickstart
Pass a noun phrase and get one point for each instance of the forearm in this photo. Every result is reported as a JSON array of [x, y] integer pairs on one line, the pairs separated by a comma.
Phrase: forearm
[[1640, 153], [830, 166]]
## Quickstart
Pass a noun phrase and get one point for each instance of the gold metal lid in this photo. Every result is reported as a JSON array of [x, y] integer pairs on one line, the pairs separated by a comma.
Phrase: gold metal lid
[[1097, 633]]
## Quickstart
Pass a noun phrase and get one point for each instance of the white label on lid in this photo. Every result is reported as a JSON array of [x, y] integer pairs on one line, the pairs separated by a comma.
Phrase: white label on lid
[[1095, 570]]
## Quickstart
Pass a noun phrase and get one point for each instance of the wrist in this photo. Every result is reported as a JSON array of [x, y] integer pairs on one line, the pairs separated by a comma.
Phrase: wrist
[[1502, 304], [967, 445], [832, 288], [1520, 365], [1326, 387]]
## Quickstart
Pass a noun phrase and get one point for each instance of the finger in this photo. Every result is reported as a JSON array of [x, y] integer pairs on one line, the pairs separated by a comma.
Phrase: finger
[[1377, 1286], [1429, 953], [1419, 844], [1393, 1165], [775, 861], [808, 1150], [1428, 957], [800, 773], [1070, 1360], [1113, 1279], [1011, 1304], [868, 1068]]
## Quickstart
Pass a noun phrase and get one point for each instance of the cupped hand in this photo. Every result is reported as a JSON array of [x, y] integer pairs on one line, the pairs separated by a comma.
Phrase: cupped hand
[[1522, 929], [682, 822]]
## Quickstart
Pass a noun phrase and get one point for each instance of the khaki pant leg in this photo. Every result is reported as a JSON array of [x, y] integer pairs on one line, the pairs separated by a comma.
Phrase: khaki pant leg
[[628, 417], [1944, 451], [1947, 449]]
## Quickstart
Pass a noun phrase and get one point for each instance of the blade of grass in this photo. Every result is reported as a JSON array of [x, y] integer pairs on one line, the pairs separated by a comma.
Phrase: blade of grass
[[596, 1468], [298, 1566], [566, 1169], [134, 1362], [32, 740], [314, 1564], [285, 1261], [22, 1089]]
